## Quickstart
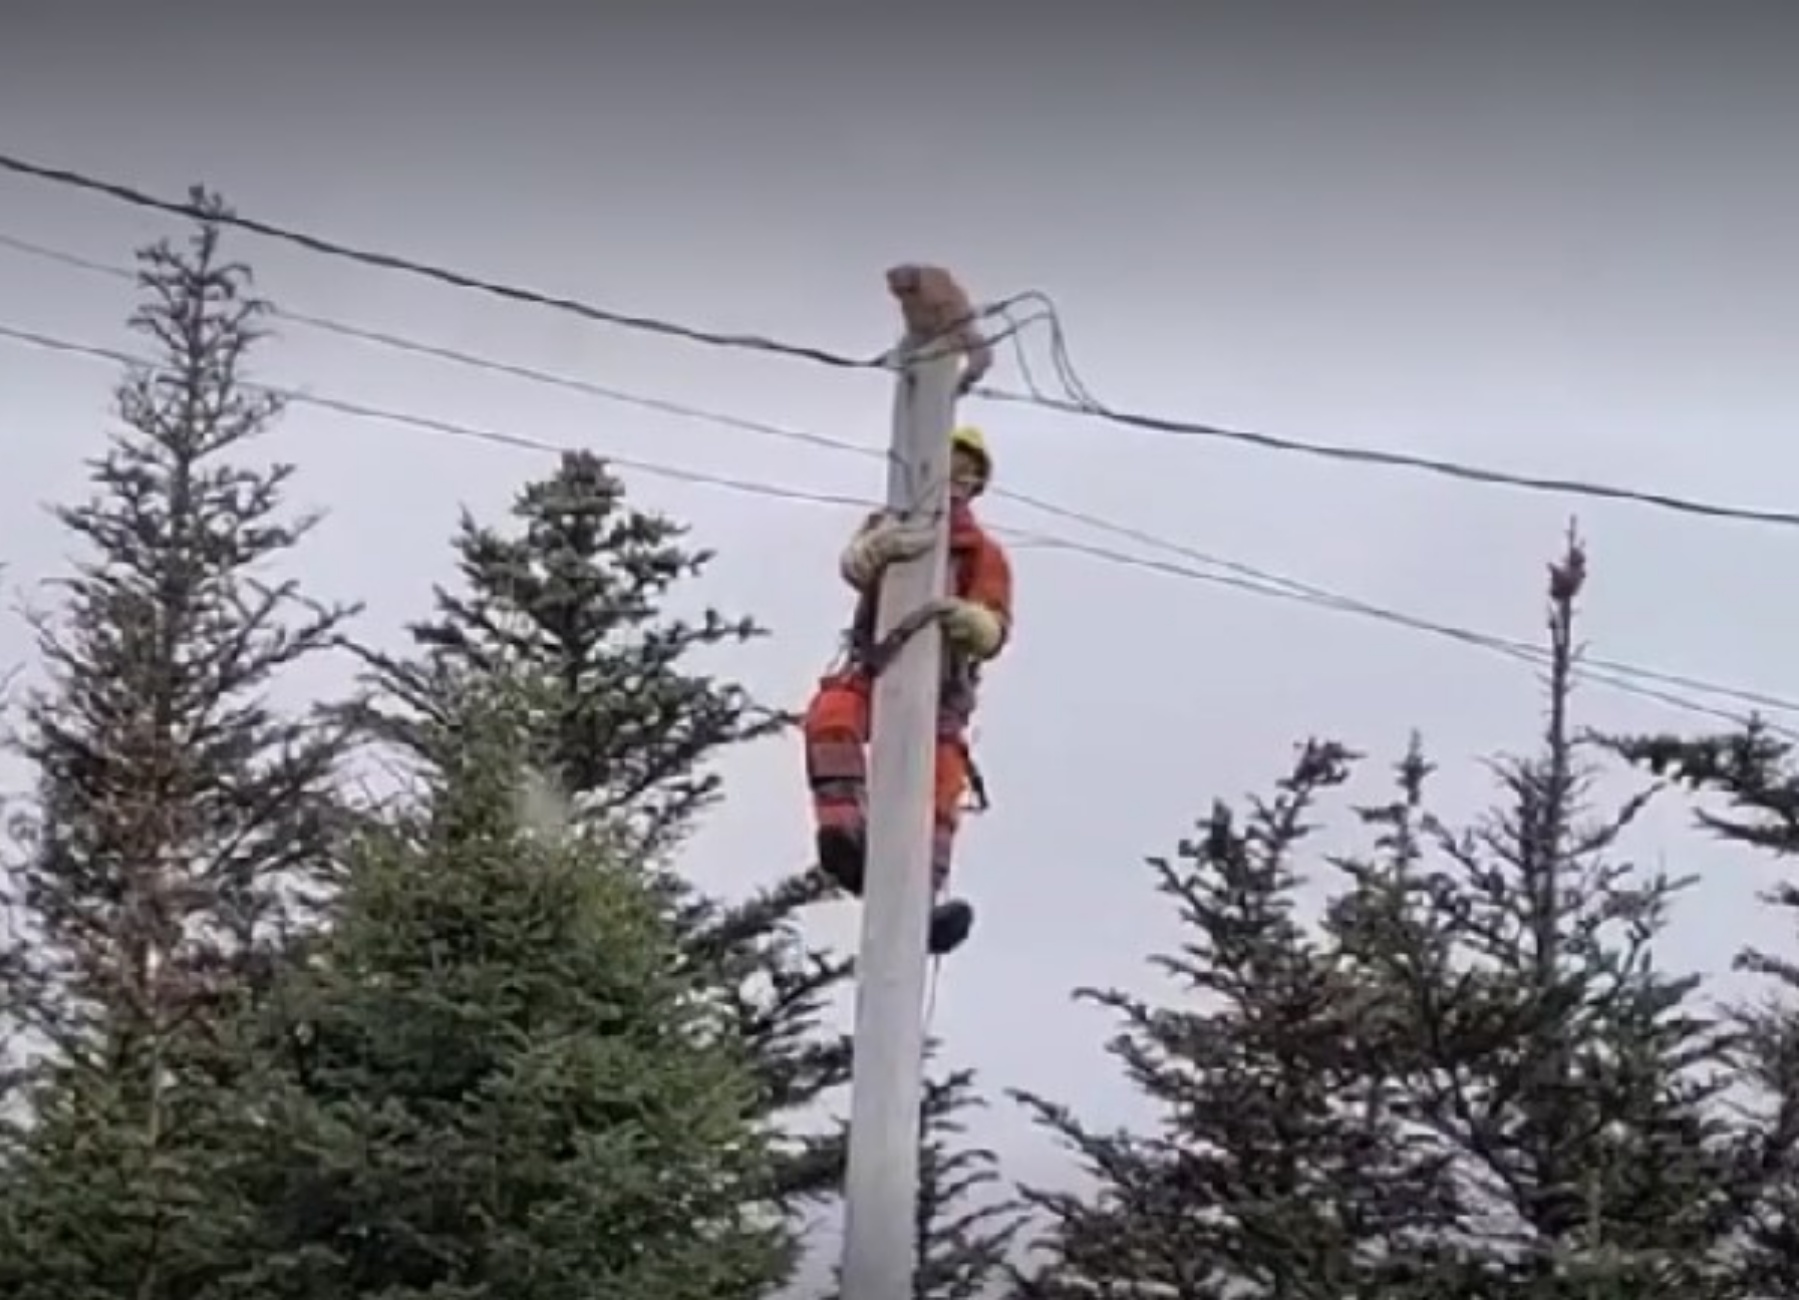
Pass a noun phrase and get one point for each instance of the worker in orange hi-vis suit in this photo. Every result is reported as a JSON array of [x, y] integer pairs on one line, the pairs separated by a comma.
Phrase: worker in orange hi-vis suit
[[976, 618]]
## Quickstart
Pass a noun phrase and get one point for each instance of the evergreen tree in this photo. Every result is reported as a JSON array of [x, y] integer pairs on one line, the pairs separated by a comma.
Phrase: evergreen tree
[[1754, 773], [578, 598], [1570, 1080], [493, 1080], [179, 815], [966, 1222], [14, 1045], [1278, 1167], [10, 1053], [575, 601], [775, 986]]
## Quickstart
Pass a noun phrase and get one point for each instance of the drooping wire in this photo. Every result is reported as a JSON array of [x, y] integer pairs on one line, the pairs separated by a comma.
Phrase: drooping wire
[[1619, 676], [1260, 577], [926, 350], [448, 428], [196, 211], [1079, 400]]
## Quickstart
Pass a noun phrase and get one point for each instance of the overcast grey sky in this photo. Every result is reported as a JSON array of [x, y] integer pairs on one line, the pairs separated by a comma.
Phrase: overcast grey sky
[[1560, 245]]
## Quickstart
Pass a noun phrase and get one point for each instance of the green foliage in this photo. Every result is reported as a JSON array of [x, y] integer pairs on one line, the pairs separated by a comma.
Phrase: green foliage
[[774, 987], [574, 602], [967, 1220], [492, 1080], [175, 805], [110, 1191], [577, 599], [1754, 774], [11, 1058], [180, 821], [1470, 1080], [1572, 1080], [1279, 1166]]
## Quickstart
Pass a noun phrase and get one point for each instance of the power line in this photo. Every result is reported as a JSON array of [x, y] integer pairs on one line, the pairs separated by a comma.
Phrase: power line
[[448, 428], [474, 361], [1310, 594], [1256, 576], [442, 274], [1620, 676], [1081, 404]]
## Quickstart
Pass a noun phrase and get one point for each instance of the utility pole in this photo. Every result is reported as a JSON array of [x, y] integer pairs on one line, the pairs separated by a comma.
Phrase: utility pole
[[886, 1090]]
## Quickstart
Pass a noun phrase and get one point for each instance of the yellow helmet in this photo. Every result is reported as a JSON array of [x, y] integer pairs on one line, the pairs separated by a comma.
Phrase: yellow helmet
[[967, 438]]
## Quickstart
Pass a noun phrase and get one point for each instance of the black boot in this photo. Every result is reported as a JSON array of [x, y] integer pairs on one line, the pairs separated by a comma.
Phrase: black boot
[[841, 856], [951, 922]]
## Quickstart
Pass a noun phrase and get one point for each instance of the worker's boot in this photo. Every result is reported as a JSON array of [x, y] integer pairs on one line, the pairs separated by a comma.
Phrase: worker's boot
[[842, 854], [951, 922]]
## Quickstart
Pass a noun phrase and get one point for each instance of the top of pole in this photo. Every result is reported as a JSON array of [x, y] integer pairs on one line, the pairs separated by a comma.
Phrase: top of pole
[[937, 310]]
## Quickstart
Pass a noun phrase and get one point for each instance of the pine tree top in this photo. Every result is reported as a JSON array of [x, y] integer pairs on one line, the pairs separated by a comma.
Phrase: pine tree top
[[580, 592], [182, 821], [184, 826]]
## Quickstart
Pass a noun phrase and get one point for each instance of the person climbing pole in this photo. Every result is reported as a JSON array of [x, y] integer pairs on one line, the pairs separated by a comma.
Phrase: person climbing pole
[[976, 619]]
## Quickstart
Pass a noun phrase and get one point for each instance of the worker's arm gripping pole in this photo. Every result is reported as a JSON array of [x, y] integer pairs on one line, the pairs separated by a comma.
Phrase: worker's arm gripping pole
[[881, 1188]]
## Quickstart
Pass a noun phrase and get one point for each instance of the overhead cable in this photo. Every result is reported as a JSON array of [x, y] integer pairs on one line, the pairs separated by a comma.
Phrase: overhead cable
[[1083, 404], [1620, 676]]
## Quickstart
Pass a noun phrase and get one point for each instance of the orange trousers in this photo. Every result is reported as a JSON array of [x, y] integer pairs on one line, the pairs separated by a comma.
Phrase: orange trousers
[[836, 729]]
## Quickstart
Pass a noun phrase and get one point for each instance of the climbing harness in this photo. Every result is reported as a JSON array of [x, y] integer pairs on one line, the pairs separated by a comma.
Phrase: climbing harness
[[873, 659], [861, 653], [876, 658]]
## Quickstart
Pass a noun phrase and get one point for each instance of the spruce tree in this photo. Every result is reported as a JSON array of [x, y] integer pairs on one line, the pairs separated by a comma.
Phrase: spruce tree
[[579, 596], [494, 1080], [179, 815], [1277, 1167], [575, 600], [1754, 774], [967, 1218], [1572, 1082], [11, 821]]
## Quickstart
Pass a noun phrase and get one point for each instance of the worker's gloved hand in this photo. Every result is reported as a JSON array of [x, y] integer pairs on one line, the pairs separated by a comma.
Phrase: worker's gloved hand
[[881, 540], [976, 630]]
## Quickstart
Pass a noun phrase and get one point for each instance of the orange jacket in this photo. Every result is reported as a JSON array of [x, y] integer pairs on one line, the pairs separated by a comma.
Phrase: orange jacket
[[979, 570]]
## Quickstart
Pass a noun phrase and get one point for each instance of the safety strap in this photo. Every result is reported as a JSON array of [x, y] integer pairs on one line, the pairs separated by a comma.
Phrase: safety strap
[[977, 784], [880, 654], [875, 656]]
